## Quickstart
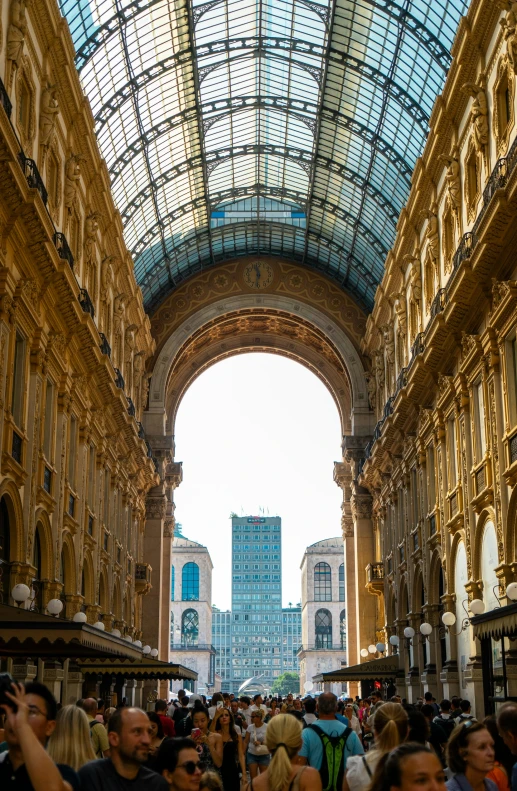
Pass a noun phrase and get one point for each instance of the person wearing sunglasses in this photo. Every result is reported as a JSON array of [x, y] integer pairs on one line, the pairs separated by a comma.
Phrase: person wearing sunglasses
[[179, 763], [470, 756]]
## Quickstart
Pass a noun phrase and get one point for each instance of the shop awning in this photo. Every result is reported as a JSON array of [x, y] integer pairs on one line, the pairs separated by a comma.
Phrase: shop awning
[[501, 622], [24, 633], [142, 670], [385, 667]]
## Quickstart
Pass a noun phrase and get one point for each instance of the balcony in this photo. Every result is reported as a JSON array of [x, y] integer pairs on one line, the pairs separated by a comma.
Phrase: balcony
[[119, 379], [131, 408], [104, 345], [142, 578], [32, 175], [439, 302], [63, 249], [86, 303], [4, 100], [375, 577]]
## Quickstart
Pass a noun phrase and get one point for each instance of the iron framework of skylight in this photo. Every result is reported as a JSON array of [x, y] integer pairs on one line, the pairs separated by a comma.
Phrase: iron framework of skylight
[[320, 107]]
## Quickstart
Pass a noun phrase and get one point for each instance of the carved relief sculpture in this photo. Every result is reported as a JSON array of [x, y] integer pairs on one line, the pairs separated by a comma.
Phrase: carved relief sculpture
[[72, 177], [372, 389], [17, 30], [49, 109], [452, 179], [399, 306], [509, 26], [138, 370], [129, 347], [478, 114], [91, 226]]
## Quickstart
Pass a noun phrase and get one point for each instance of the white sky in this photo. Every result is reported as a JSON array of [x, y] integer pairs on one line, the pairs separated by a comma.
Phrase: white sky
[[258, 430]]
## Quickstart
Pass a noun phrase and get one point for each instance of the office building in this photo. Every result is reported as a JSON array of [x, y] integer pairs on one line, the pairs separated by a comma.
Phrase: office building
[[222, 642], [291, 638]]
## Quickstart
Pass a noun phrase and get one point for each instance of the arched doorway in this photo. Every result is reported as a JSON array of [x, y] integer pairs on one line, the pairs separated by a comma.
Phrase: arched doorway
[[5, 552]]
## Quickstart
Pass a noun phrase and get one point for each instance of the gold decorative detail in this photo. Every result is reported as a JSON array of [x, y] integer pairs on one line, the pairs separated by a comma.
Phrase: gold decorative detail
[[452, 179], [155, 507], [49, 108], [16, 31], [72, 179], [503, 103], [472, 179], [25, 105], [509, 26], [478, 114]]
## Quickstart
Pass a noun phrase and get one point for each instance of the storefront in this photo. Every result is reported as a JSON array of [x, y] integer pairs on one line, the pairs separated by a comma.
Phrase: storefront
[[497, 632], [383, 674]]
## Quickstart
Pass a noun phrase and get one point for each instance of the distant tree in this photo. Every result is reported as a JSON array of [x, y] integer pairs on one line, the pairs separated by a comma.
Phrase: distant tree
[[285, 683]]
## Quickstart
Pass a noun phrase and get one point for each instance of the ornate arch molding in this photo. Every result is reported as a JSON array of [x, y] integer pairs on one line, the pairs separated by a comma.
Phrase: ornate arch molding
[[459, 537], [511, 528], [45, 537], [69, 565], [435, 567], [89, 579], [9, 491], [403, 595], [487, 515], [418, 580], [295, 292]]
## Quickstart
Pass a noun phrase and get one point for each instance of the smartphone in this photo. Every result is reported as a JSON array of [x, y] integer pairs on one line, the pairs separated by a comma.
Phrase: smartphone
[[196, 733], [219, 704]]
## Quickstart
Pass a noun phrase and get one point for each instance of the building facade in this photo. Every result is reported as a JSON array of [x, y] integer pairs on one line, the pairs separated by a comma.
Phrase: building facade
[[222, 642], [191, 612], [323, 611], [291, 638], [256, 599]]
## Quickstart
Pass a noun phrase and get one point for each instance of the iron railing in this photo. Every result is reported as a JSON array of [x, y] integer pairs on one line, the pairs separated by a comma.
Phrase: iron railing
[[5, 101], [119, 379], [104, 345], [465, 249], [32, 175], [63, 248], [439, 302], [130, 408], [86, 303], [141, 432], [418, 346]]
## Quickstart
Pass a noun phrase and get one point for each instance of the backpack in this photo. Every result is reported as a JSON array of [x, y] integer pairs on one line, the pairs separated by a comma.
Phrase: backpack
[[93, 723], [332, 765]]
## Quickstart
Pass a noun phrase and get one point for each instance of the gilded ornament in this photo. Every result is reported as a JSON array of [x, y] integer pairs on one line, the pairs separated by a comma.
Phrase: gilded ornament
[[478, 114], [509, 26], [452, 178], [49, 108], [72, 178], [17, 30], [499, 290]]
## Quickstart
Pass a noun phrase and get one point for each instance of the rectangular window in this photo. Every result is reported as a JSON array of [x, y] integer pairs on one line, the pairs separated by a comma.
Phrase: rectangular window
[[431, 477], [18, 388], [72, 452], [91, 477], [49, 415], [451, 437], [480, 421]]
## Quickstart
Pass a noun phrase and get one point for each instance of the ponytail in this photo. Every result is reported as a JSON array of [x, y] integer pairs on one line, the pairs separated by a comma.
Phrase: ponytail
[[283, 739]]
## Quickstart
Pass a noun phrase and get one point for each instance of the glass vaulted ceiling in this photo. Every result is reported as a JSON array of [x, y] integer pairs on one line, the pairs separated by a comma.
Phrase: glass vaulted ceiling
[[288, 127]]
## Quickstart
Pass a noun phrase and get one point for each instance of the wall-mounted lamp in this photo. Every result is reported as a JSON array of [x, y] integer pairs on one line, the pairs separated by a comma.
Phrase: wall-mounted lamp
[[476, 607]]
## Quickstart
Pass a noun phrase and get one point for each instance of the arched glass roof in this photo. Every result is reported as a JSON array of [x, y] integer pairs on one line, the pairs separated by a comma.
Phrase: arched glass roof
[[308, 116]]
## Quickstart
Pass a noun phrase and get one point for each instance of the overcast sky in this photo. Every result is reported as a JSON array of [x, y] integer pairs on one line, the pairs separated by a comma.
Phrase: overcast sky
[[258, 430]]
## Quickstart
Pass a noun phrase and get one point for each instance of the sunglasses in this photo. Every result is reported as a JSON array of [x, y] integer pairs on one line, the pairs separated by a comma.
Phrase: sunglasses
[[190, 767]]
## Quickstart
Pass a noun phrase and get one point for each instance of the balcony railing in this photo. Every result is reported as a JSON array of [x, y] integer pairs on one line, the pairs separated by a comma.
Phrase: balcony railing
[[4, 100], [119, 379], [317, 647], [63, 249], [32, 175], [86, 303], [418, 345], [513, 448], [464, 251], [375, 572], [439, 302], [141, 431], [131, 408], [104, 345]]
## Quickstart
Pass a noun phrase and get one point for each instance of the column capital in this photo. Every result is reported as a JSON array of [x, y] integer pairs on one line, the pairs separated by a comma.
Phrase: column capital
[[155, 506], [347, 526], [353, 449], [342, 474], [361, 506]]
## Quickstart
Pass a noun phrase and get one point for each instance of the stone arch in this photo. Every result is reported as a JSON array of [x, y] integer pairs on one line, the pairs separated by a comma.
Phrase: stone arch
[[330, 323], [88, 580], [511, 528], [418, 591], [458, 539], [117, 600], [44, 531], [104, 596], [403, 603], [69, 565], [10, 493], [435, 570], [486, 515]]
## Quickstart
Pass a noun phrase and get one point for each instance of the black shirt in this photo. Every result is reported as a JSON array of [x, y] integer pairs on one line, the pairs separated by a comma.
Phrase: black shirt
[[102, 776], [19, 778]]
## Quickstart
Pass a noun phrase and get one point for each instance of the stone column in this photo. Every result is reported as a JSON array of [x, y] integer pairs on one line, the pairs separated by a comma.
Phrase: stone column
[[53, 676], [153, 545], [343, 478], [364, 553], [72, 682], [25, 671]]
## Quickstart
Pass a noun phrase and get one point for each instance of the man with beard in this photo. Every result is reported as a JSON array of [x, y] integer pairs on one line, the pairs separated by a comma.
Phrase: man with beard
[[129, 734]]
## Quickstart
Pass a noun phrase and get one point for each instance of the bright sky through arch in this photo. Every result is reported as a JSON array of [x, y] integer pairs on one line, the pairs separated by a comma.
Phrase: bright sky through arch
[[258, 430]]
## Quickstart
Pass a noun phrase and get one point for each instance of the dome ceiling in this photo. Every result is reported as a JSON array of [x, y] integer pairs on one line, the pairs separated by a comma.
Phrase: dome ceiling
[[282, 127]]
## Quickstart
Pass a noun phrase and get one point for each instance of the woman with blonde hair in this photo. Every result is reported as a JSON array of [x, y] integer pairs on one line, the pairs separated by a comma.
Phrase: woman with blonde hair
[[390, 728], [284, 740], [71, 743]]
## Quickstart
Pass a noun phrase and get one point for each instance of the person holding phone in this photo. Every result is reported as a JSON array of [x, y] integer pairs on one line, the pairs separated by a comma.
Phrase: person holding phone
[[215, 703], [209, 745]]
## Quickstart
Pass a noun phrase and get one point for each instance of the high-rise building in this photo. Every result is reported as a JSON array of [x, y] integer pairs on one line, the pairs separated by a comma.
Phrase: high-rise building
[[291, 638], [256, 599], [222, 642]]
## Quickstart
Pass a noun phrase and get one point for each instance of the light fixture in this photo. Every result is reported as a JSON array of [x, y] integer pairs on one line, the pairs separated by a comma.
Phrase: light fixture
[[394, 639], [138, 643], [372, 649], [364, 652], [448, 619], [477, 606], [146, 649], [426, 629], [409, 632], [154, 652], [55, 606], [380, 648], [128, 638], [20, 593], [511, 591], [116, 633], [99, 625], [79, 617]]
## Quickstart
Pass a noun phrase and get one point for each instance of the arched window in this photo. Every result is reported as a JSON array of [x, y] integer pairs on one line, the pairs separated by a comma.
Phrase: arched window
[[5, 552], [190, 582], [322, 582], [172, 628], [323, 628], [189, 626], [172, 584], [342, 629], [342, 582]]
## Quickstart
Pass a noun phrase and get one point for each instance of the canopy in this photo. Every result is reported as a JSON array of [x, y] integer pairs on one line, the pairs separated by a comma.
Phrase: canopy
[[385, 667], [283, 127], [142, 670], [501, 622]]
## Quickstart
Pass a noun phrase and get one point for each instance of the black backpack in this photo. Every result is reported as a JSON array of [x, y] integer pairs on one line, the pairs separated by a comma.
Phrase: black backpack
[[332, 765]]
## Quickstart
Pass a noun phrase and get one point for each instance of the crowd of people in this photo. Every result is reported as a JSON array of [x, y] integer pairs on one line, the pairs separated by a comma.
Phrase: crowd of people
[[272, 744]]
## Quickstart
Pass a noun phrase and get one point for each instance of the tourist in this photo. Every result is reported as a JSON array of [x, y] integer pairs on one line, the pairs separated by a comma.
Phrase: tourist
[[504, 760], [129, 734], [98, 732], [310, 712], [160, 708], [209, 745], [216, 698], [244, 702], [238, 718], [101, 706], [175, 704], [317, 745], [157, 737], [465, 714], [107, 714], [233, 752], [391, 729], [30, 720], [431, 701], [258, 703], [455, 707], [257, 753], [180, 712], [470, 756], [353, 721], [210, 781], [179, 765], [409, 767], [437, 735], [418, 727], [71, 742], [297, 704], [445, 718], [283, 740], [507, 724]]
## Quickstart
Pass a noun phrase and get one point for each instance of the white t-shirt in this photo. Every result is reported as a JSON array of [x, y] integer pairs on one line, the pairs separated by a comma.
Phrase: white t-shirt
[[254, 708], [256, 735], [357, 775]]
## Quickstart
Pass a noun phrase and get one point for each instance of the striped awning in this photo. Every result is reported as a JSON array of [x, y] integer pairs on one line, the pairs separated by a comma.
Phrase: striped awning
[[501, 622], [385, 667]]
